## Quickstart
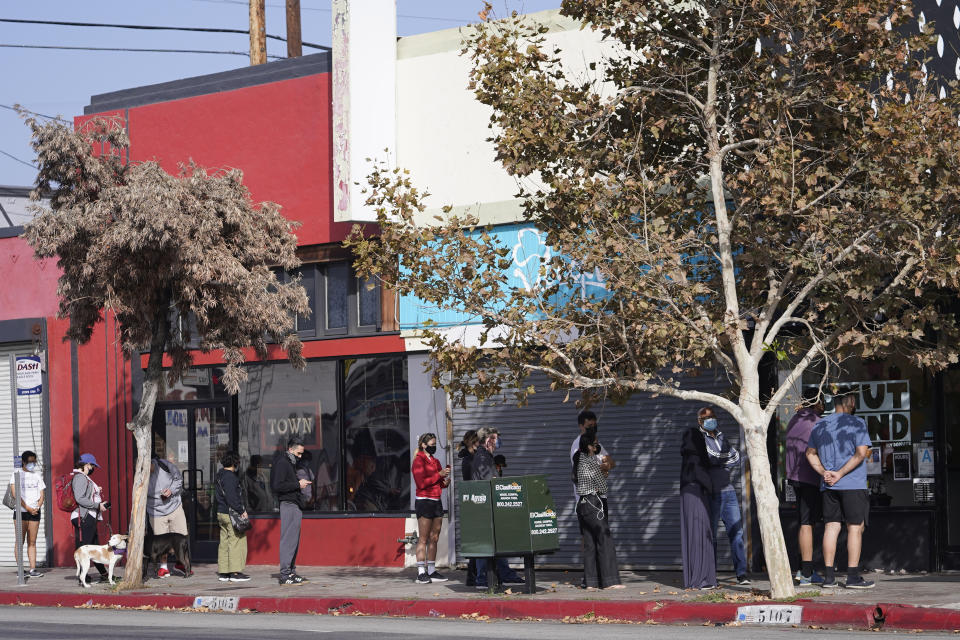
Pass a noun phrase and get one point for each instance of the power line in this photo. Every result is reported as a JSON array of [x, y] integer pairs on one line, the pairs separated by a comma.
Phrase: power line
[[48, 46], [10, 155], [36, 113], [302, 8], [151, 28]]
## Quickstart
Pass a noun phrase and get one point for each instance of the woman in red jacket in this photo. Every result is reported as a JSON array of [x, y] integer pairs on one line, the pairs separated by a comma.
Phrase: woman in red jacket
[[430, 477]]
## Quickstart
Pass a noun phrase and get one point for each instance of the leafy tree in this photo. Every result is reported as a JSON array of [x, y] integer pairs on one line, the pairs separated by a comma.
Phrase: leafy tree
[[745, 177], [174, 258]]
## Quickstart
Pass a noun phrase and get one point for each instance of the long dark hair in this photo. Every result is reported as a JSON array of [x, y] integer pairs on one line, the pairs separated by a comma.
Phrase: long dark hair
[[587, 440]]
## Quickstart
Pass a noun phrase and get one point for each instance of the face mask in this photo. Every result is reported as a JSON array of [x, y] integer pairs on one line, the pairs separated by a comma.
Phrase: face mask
[[92, 469], [431, 449], [499, 442], [710, 424], [31, 466]]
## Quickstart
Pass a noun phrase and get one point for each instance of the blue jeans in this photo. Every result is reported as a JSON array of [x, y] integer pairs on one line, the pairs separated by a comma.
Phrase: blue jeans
[[504, 570], [726, 506]]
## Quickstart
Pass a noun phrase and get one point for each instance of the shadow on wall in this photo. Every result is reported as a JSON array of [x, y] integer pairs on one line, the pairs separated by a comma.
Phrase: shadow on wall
[[643, 435]]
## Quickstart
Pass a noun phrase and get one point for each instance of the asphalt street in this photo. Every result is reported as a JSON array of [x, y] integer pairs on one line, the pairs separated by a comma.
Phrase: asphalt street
[[38, 622]]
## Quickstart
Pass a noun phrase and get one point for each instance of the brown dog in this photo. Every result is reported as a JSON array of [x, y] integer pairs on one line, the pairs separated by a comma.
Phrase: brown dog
[[105, 554]]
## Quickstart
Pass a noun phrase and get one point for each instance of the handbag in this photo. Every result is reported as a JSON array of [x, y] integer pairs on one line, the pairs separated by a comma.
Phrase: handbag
[[8, 500], [241, 524]]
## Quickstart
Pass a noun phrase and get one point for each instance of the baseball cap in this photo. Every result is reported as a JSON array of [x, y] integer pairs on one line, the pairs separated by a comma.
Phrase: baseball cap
[[87, 458]]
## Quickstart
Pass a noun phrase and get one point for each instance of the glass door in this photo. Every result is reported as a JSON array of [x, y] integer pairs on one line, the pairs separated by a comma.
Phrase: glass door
[[193, 436]]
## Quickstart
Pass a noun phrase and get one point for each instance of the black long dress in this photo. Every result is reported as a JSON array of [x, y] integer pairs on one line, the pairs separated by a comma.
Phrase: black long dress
[[696, 532]]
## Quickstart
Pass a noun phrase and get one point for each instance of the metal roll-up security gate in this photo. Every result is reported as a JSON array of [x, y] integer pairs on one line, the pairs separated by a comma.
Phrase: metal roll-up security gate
[[30, 437], [643, 436]]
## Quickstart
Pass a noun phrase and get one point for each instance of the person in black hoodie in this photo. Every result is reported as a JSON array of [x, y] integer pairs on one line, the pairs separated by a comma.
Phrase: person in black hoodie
[[289, 491], [232, 550]]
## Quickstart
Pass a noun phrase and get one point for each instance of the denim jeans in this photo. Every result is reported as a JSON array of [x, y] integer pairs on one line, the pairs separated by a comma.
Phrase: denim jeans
[[726, 506], [502, 568]]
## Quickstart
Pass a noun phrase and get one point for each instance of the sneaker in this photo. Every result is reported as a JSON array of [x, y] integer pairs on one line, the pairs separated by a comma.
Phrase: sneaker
[[828, 584], [292, 579], [481, 586], [33, 573], [860, 583], [815, 578], [422, 578], [436, 577], [163, 573], [179, 567], [223, 577], [239, 576], [515, 579], [299, 578], [743, 580]]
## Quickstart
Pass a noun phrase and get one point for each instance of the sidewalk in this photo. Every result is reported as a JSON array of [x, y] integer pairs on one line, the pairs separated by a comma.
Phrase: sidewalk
[[912, 601]]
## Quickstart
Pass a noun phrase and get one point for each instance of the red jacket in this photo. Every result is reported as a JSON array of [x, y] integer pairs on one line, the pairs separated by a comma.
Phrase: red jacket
[[426, 474]]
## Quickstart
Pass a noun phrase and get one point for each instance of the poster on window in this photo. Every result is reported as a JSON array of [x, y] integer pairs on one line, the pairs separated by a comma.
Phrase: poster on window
[[901, 465], [924, 460], [883, 404], [874, 466]]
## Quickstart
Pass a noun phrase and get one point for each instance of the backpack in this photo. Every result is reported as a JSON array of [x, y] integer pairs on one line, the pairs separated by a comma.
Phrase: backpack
[[63, 489]]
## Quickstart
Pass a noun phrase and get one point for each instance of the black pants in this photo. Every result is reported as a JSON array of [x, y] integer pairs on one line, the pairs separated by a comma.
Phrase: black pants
[[85, 532], [599, 553]]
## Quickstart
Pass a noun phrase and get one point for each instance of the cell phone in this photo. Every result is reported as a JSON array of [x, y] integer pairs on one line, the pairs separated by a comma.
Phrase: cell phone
[[106, 505]]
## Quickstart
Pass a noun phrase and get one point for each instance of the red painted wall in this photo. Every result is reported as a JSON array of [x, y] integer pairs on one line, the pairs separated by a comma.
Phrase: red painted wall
[[278, 133], [29, 287], [332, 542]]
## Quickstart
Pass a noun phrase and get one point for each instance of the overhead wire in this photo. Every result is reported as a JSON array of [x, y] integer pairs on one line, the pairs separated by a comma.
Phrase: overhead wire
[[135, 50], [35, 113], [147, 27], [10, 155], [324, 10]]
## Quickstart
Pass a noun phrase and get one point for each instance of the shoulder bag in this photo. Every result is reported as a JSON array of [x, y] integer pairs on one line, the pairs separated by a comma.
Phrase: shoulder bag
[[241, 523]]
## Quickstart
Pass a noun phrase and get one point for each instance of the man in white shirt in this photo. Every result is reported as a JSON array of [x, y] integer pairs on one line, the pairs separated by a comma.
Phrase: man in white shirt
[[587, 420], [31, 499]]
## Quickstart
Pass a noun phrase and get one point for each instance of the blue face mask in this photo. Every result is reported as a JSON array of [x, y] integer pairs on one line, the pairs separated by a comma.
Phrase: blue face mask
[[499, 442], [31, 466], [710, 424]]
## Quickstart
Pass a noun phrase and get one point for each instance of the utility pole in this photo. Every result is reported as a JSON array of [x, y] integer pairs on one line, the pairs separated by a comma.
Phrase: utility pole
[[294, 39], [258, 33]]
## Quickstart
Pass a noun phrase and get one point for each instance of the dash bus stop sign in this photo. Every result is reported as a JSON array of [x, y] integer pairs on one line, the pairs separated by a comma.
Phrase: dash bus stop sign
[[29, 376]]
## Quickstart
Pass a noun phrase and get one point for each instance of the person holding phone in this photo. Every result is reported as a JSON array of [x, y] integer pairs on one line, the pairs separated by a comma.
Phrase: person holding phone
[[90, 506], [430, 477], [289, 490]]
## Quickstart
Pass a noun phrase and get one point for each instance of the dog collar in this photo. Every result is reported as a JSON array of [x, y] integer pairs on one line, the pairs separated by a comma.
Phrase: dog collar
[[119, 552]]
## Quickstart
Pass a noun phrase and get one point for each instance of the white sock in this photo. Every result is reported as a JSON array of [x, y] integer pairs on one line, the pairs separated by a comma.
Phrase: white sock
[[431, 567], [420, 568], [163, 565]]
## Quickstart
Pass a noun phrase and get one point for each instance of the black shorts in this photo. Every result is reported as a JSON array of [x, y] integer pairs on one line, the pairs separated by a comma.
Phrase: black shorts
[[428, 508], [809, 503], [29, 517], [851, 506]]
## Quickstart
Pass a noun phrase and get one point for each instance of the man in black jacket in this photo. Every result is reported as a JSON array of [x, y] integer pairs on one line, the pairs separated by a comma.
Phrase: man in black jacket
[[288, 489]]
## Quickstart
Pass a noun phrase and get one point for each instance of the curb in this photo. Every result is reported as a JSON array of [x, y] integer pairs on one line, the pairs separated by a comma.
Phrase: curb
[[861, 616]]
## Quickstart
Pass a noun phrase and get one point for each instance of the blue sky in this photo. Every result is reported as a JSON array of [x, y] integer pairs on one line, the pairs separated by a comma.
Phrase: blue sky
[[60, 82]]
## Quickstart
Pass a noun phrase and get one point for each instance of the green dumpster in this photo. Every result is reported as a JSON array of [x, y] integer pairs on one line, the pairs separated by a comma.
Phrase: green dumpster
[[511, 516]]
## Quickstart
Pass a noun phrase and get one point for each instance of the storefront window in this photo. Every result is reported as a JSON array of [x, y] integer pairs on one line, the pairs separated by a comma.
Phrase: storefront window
[[377, 440], [896, 401], [351, 414]]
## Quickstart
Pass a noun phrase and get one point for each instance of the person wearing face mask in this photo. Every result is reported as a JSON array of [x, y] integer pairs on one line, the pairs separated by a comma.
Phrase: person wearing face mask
[[31, 499], [696, 535], [722, 458], [90, 506], [599, 553], [289, 491], [430, 477]]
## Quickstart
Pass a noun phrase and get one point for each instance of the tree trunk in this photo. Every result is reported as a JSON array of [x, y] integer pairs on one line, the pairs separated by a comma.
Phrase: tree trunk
[[141, 428], [768, 513], [133, 571]]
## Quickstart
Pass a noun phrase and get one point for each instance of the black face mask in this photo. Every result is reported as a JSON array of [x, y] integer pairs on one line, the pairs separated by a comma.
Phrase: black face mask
[[432, 449], [92, 469]]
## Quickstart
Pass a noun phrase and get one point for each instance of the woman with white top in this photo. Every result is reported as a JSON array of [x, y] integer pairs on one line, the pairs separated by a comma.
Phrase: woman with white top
[[31, 499], [90, 506]]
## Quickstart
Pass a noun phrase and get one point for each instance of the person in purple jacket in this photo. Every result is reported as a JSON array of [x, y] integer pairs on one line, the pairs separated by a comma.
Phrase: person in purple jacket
[[806, 485]]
